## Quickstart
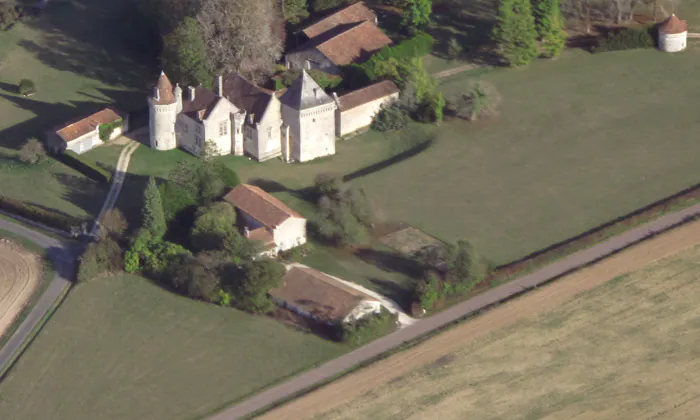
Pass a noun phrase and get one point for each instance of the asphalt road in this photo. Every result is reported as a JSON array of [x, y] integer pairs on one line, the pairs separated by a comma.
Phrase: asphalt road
[[315, 377], [63, 254]]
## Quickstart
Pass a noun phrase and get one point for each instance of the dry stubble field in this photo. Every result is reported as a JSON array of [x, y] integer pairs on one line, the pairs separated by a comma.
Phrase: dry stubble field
[[20, 274], [618, 339]]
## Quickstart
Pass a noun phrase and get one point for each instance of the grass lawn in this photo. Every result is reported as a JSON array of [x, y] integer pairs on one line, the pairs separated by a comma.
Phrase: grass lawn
[[626, 349], [124, 348], [77, 68]]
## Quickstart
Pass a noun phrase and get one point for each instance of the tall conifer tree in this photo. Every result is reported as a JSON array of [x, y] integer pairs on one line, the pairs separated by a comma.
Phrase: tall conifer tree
[[515, 32], [550, 27]]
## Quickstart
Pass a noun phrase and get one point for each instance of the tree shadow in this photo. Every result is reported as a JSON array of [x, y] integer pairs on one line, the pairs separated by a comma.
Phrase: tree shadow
[[94, 48], [397, 158], [82, 192], [390, 261], [394, 291]]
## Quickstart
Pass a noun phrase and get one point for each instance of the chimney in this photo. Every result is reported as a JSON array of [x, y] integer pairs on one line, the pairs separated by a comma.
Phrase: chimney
[[190, 91], [220, 85], [335, 97], [246, 231], [156, 94], [251, 118]]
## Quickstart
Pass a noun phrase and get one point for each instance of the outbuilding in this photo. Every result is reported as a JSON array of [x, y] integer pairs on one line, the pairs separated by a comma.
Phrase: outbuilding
[[673, 34], [84, 134]]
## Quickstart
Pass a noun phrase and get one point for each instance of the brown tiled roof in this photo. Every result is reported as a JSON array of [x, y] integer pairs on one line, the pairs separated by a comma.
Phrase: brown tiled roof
[[165, 90], [367, 94], [355, 44], [204, 100], [260, 205], [245, 95], [318, 294], [673, 25], [357, 12], [79, 128]]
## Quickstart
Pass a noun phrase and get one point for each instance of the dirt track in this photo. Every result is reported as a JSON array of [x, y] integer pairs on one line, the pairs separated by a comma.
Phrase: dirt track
[[20, 272], [351, 387]]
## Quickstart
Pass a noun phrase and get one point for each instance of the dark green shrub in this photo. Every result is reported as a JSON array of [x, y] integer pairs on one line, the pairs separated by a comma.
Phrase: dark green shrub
[[390, 118], [85, 166], [629, 38], [52, 218], [176, 199], [106, 130], [325, 80], [419, 45], [104, 256], [26, 87], [367, 328]]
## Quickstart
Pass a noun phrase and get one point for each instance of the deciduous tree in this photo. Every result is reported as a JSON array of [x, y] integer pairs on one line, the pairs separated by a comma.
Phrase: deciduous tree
[[295, 11], [33, 152], [416, 15], [259, 277], [213, 225]]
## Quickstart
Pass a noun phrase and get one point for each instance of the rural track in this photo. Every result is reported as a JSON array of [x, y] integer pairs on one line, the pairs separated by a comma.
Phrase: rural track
[[116, 187], [63, 254], [331, 369]]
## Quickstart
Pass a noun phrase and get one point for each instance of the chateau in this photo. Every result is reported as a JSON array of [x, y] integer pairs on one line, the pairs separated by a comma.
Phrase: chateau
[[299, 124]]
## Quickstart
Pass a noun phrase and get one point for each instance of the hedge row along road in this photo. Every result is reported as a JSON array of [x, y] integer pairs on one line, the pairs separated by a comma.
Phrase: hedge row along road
[[333, 368]]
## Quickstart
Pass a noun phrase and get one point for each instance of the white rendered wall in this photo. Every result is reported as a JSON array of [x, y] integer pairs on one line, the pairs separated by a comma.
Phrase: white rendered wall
[[364, 308], [162, 126], [291, 233], [672, 42], [361, 116]]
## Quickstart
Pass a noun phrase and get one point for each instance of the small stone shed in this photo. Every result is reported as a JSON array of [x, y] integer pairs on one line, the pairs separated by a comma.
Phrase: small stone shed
[[673, 34], [84, 134], [313, 294]]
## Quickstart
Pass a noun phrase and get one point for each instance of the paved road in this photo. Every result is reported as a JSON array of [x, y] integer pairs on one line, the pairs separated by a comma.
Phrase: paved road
[[494, 296], [63, 255], [116, 187]]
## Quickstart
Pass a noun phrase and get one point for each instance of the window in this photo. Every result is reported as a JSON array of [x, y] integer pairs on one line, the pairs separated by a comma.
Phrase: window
[[198, 129], [223, 128], [198, 141], [269, 133], [184, 127]]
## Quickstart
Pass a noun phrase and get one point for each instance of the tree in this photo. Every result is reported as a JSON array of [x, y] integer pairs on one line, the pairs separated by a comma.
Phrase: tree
[[454, 49], [32, 152], [327, 183], [184, 55], [100, 257], [295, 11], [259, 277], [9, 15], [153, 215], [241, 35], [26, 87], [114, 223], [213, 225], [191, 277], [515, 32], [321, 5], [464, 264], [417, 14], [550, 27]]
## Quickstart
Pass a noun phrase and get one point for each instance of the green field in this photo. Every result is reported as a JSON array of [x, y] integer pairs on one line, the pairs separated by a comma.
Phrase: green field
[[123, 348], [75, 55]]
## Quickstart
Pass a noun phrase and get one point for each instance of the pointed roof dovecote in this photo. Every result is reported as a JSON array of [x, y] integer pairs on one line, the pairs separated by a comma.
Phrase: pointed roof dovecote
[[305, 93], [673, 25], [165, 91]]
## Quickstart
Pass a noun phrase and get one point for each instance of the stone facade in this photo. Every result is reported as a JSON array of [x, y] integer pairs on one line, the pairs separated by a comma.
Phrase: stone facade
[[242, 119]]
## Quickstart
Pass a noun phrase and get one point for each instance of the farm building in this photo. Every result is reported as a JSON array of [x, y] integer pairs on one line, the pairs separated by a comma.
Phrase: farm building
[[357, 108], [266, 219], [316, 295], [84, 134], [673, 34], [348, 36]]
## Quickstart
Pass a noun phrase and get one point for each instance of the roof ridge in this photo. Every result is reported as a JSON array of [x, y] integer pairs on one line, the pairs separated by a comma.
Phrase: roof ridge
[[266, 196], [328, 279], [366, 87], [355, 26], [335, 13]]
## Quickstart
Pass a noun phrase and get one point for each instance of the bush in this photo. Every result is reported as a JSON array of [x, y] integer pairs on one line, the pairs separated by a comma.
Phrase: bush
[[431, 108], [32, 152], [429, 290], [9, 15], [454, 49], [106, 130], [104, 256], [114, 223], [52, 218], [390, 118], [26, 87], [482, 100], [418, 46], [175, 199], [213, 225], [629, 38], [367, 328], [85, 166], [297, 253]]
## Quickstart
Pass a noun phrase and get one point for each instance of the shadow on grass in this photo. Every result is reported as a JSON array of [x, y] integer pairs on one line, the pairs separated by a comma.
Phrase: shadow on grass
[[390, 261], [82, 192], [394, 291]]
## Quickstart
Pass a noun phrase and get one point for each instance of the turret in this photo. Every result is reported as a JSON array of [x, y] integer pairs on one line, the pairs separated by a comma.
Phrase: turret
[[163, 109], [178, 98]]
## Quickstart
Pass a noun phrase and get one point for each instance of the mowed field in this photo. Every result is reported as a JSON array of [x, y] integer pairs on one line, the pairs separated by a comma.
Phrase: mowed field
[[77, 69], [619, 339], [20, 275], [123, 348]]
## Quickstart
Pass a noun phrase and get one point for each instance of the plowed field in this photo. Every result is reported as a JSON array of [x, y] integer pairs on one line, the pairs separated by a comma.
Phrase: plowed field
[[20, 273]]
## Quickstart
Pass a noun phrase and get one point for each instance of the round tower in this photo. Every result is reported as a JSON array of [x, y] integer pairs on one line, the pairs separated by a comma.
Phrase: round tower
[[673, 34], [162, 109]]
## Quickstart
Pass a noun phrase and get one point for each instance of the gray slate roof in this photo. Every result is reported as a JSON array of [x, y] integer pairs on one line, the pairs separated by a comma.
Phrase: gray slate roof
[[305, 93], [245, 95]]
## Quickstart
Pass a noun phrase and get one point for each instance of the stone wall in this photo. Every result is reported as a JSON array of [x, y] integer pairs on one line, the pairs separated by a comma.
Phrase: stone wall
[[311, 59]]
